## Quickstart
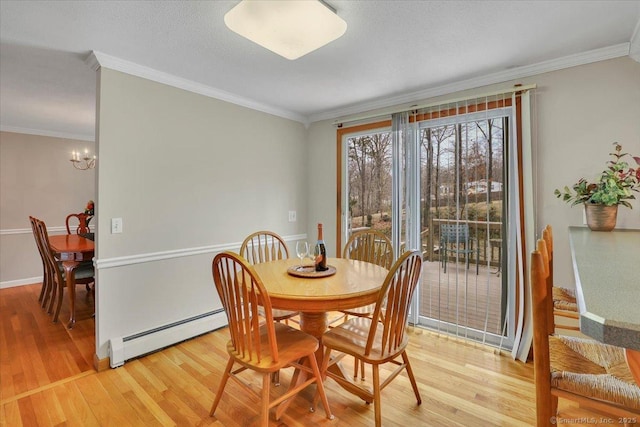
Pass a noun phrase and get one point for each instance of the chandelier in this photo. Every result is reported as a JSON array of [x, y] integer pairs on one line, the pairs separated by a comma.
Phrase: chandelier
[[83, 162]]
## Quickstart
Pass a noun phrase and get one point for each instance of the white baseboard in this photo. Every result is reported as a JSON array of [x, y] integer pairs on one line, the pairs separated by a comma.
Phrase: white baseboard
[[20, 282], [122, 349]]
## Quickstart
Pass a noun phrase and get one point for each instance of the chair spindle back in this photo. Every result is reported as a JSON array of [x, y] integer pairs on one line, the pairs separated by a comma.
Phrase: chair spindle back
[[263, 246], [370, 246], [395, 299], [83, 223], [242, 294]]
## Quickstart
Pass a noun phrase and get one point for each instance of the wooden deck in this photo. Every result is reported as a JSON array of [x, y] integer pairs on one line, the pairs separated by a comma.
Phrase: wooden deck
[[461, 297]]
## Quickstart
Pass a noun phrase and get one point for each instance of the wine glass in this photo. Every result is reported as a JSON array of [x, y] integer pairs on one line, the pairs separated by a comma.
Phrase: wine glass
[[302, 250], [313, 248]]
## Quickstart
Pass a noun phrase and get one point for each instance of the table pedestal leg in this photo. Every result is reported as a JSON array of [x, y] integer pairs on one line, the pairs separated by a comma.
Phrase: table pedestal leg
[[315, 324]]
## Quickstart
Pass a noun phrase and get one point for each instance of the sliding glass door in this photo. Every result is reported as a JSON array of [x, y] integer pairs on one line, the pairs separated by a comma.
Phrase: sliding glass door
[[368, 182], [462, 174], [439, 185]]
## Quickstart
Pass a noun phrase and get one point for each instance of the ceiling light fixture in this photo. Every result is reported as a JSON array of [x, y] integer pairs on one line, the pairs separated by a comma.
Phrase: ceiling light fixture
[[290, 28]]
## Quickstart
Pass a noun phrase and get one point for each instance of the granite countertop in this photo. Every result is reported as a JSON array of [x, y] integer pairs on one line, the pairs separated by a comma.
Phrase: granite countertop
[[607, 271]]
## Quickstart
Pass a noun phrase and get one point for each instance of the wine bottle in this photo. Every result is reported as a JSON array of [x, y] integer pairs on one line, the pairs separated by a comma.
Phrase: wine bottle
[[320, 252]]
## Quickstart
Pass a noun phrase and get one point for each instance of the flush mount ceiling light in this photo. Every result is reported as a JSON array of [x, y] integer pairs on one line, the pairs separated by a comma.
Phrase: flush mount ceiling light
[[290, 28]]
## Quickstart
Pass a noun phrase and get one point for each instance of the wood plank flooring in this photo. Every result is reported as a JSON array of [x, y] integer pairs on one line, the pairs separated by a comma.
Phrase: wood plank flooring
[[47, 379]]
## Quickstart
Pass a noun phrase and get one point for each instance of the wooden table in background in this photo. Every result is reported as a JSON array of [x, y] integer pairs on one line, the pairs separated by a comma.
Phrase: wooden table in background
[[71, 249]]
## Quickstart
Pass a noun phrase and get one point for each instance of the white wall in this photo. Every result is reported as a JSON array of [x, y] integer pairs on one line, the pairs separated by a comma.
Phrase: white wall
[[36, 178], [189, 175], [580, 112]]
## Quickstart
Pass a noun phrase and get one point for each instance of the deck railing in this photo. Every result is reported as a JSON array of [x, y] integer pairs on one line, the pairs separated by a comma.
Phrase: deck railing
[[486, 234]]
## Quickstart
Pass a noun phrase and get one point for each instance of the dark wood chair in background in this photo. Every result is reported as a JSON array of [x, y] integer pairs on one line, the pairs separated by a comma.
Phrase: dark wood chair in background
[[593, 374], [259, 343], [79, 223], [47, 279], [84, 273]]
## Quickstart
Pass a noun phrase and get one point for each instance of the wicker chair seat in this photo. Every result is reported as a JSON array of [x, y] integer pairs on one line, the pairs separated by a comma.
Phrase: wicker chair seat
[[603, 371], [564, 299]]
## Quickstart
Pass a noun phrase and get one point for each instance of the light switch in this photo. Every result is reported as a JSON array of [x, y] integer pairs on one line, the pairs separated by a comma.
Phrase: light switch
[[292, 216], [116, 225]]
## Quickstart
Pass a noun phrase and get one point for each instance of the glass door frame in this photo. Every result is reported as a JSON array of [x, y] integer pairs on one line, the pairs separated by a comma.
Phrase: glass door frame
[[407, 149]]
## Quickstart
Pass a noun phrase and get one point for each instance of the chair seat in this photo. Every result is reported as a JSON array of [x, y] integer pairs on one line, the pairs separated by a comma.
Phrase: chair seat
[[279, 315], [293, 344], [351, 338], [83, 271], [564, 299], [603, 371]]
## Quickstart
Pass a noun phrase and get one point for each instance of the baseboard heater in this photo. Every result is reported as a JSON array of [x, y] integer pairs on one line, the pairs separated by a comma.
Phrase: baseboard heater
[[122, 349]]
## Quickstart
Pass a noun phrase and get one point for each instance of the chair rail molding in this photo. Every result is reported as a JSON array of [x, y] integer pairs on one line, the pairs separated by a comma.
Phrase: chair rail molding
[[59, 229], [134, 259], [177, 253]]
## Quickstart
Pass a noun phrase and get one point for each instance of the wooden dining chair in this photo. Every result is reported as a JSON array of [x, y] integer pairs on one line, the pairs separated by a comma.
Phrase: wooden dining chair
[[84, 273], [82, 220], [374, 247], [259, 343], [564, 299], [264, 246], [580, 369], [376, 342], [47, 280]]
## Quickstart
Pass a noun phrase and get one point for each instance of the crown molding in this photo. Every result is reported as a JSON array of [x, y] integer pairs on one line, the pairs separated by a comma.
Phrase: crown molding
[[98, 59], [43, 132], [588, 57], [634, 44], [92, 61]]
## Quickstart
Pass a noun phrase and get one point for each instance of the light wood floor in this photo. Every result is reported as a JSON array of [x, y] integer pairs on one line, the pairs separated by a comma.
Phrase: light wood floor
[[47, 379]]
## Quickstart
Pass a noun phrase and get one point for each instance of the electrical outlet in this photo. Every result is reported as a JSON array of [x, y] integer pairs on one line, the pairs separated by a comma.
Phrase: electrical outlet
[[292, 216], [116, 225]]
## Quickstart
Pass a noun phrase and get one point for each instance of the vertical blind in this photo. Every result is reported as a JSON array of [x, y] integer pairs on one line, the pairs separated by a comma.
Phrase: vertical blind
[[467, 163]]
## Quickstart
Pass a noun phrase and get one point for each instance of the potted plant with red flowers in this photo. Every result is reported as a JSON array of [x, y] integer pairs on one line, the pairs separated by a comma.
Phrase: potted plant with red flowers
[[613, 187], [88, 210]]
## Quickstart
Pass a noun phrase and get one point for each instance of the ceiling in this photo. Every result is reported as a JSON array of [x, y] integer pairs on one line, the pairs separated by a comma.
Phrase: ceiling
[[392, 52]]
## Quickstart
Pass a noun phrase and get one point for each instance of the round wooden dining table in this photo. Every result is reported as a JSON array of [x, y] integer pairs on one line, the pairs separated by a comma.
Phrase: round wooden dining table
[[354, 284]]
